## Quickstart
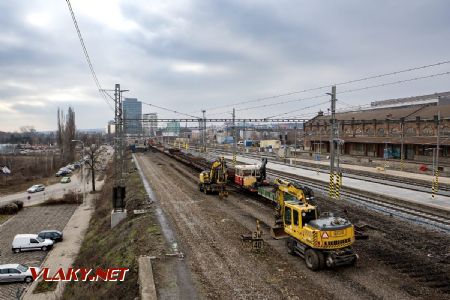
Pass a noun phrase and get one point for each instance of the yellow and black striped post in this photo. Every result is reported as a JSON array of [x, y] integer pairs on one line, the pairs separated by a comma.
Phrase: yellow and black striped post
[[435, 187], [437, 181], [401, 164], [234, 159], [331, 190], [338, 185], [432, 188]]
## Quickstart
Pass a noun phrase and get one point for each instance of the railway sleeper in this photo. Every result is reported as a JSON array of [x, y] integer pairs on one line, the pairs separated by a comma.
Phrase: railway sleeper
[[431, 278], [442, 285], [425, 269], [424, 273]]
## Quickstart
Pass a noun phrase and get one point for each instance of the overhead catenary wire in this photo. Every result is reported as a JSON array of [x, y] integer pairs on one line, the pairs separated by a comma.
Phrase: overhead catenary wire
[[170, 110], [330, 85], [300, 109], [395, 82], [355, 90], [86, 54], [282, 102]]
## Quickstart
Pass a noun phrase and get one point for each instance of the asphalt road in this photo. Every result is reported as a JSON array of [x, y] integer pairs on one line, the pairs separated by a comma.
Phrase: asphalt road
[[57, 190]]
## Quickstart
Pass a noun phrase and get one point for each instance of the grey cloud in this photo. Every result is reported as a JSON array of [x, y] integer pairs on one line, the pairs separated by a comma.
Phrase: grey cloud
[[266, 47]]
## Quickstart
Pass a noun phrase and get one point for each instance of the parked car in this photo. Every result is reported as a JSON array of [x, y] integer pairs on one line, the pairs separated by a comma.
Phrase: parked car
[[54, 235], [65, 179], [36, 188], [70, 167], [16, 272], [30, 242], [63, 172]]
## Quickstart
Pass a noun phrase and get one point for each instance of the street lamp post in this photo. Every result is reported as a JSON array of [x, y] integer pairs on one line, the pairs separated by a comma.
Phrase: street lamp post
[[82, 169]]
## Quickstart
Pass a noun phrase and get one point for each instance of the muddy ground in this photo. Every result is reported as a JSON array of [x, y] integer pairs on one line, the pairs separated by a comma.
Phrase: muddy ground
[[399, 261]]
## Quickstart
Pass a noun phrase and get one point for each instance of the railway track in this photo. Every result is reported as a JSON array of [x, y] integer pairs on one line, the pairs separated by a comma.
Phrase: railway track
[[412, 212], [423, 270], [419, 214]]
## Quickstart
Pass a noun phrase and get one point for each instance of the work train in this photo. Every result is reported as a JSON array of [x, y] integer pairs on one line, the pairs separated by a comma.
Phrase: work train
[[322, 240]]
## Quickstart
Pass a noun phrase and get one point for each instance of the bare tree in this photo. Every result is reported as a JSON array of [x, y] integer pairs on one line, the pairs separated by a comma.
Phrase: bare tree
[[66, 133], [70, 134], [60, 131], [93, 153]]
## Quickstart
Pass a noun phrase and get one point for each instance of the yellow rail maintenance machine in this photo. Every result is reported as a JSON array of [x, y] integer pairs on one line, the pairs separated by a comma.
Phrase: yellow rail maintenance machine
[[321, 241], [215, 179]]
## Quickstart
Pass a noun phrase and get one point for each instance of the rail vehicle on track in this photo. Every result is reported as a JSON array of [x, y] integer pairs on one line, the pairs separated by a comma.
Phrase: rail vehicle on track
[[323, 240]]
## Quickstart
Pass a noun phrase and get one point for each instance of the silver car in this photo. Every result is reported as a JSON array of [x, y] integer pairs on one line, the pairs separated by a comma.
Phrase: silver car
[[16, 272], [36, 188]]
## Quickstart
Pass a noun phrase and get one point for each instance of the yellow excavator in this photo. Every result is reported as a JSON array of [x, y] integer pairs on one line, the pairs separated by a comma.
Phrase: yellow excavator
[[215, 179], [321, 241]]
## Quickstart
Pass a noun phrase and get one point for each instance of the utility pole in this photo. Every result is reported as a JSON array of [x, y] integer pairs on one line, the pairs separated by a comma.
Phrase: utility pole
[[332, 140], [435, 186], [117, 129], [295, 140], [234, 138], [204, 131], [119, 184], [402, 152]]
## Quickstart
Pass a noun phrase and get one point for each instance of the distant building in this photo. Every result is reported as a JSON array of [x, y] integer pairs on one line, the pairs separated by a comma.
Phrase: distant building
[[172, 129], [150, 124], [381, 131], [132, 112], [110, 128]]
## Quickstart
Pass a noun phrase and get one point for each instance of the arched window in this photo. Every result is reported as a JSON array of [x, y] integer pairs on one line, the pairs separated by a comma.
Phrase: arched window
[[358, 131], [380, 132], [428, 131], [395, 131], [369, 131], [348, 131], [445, 130], [410, 131]]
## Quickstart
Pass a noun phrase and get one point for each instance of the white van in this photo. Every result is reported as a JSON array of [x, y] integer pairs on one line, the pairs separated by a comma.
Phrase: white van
[[23, 242]]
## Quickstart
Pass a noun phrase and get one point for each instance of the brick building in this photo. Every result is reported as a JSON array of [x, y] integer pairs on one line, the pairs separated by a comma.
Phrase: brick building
[[380, 130]]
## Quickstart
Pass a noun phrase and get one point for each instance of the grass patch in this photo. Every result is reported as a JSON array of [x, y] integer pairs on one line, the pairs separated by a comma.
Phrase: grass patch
[[4, 218], [45, 286], [118, 247]]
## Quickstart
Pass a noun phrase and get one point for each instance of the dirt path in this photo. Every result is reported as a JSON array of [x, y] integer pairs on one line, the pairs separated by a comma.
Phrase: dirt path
[[224, 267]]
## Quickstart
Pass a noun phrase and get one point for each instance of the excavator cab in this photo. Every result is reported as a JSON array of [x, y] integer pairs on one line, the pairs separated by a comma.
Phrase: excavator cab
[[294, 217]]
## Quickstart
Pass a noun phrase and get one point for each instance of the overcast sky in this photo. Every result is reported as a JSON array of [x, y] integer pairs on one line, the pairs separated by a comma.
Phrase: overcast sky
[[193, 55]]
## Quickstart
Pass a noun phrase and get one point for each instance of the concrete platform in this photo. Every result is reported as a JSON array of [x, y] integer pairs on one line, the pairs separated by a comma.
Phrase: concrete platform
[[374, 170], [440, 202]]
